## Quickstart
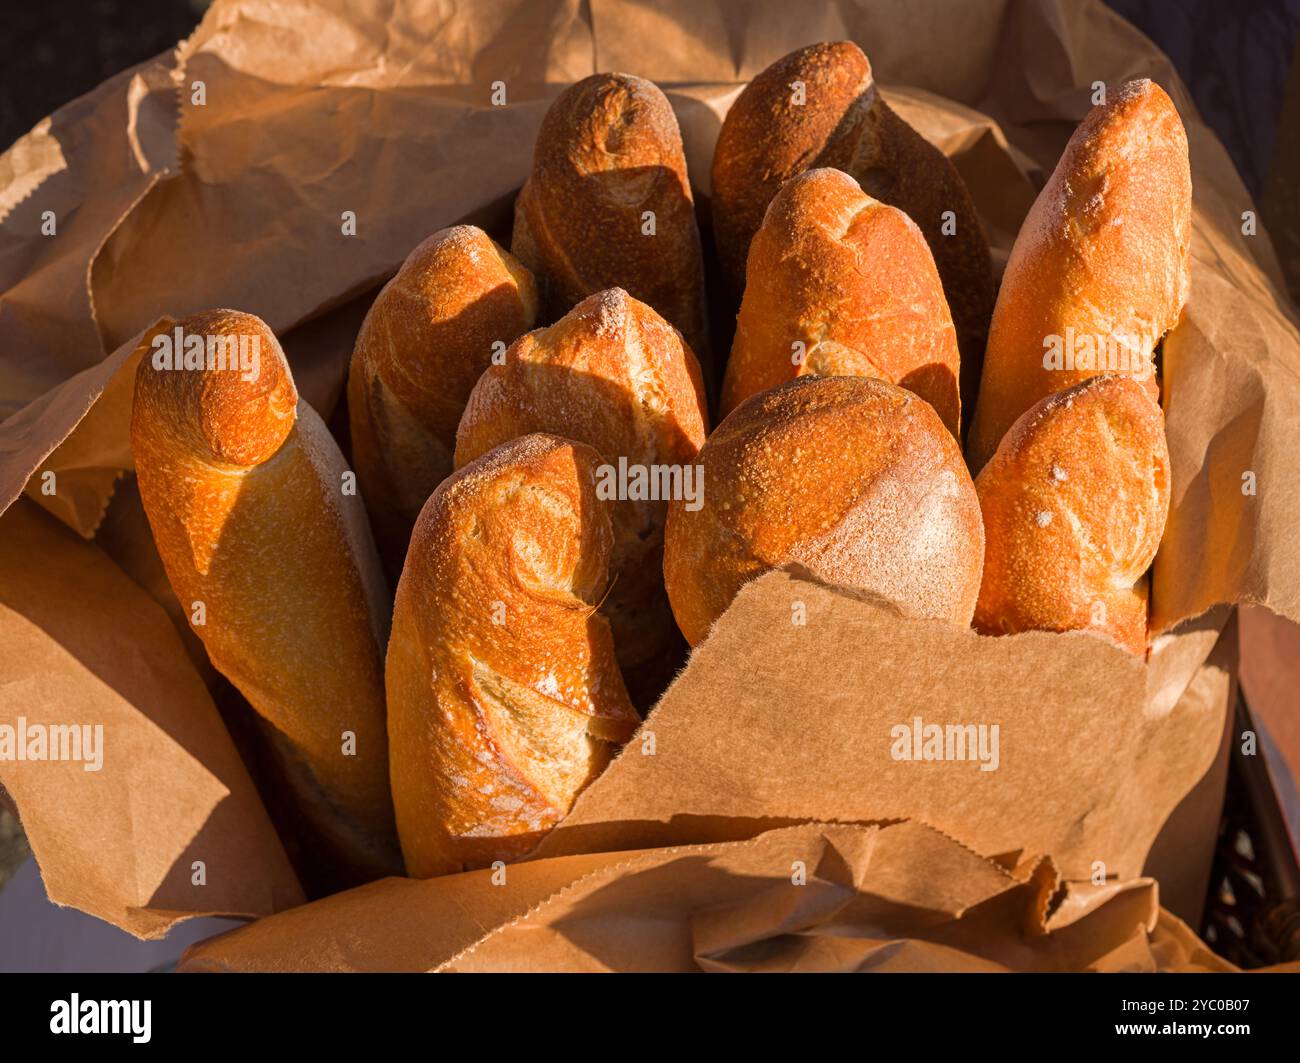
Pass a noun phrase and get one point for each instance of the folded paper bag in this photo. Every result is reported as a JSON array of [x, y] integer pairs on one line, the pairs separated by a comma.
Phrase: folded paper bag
[[808, 702], [811, 897], [395, 924], [167, 825]]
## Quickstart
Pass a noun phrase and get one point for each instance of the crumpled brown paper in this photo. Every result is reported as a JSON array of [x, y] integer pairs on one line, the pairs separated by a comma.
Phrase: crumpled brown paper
[[311, 109], [812, 897], [788, 712], [122, 841]]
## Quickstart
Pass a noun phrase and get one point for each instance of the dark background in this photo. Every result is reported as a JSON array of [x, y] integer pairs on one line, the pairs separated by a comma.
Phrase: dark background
[[52, 51]]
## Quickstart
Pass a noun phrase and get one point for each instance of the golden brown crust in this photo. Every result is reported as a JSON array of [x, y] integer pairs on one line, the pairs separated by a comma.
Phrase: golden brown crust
[[855, 479], [768, 138], [242, 485], [424, 343], [221, 416], [1102, 254], [1074, 503], [504, 696], [615, 375], [852, 280], [608, 151]]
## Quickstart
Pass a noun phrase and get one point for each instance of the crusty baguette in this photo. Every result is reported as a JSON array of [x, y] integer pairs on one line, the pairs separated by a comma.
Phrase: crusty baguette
[[608, 151], [768, 137], [1101, 261], [855, 479], [426, 339], [504, 695], [1074, 503], [615, 375], [852, 281], [243, 488]]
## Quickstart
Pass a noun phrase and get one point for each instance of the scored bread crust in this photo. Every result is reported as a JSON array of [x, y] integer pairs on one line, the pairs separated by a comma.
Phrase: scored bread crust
[[242, 485], [767, 138], [855, 479], [424, 343], [1104, 252], [853, 280], [615, 375], [1075, 502], [504, 695], [608, 151]]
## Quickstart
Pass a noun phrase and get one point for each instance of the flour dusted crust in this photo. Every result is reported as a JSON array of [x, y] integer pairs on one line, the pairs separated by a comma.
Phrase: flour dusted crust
[[609, 152], [852, 280], [1103, 254], [427, 337], [242, 486], [613, 374], [504, 695], [856, 479], [842, 122], [1075, 502]]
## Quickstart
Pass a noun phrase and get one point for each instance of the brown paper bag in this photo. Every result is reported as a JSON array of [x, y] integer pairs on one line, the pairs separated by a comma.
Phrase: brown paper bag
[[163, 772], [792, 709], [238, 156], [812, 897]]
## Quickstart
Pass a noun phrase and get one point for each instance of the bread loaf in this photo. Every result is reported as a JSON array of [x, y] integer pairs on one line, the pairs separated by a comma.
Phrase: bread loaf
[[243, 488], [608, 204], [817, 107], [839, 284], [614, 375], [855, 479], [428, 336], [504, 696], [1099, 271], [1074, 504]]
